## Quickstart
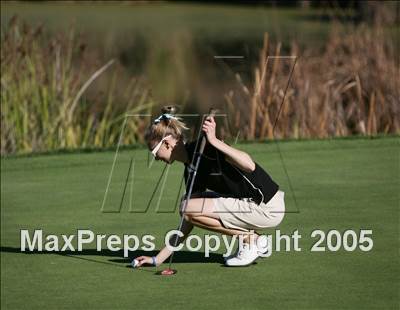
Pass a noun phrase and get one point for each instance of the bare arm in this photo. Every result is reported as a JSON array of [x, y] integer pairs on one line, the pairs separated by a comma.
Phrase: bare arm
[[187, 227], [165, 252], [234, 156]]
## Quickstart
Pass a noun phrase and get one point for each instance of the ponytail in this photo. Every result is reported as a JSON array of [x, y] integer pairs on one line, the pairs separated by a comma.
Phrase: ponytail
[[166, 124]]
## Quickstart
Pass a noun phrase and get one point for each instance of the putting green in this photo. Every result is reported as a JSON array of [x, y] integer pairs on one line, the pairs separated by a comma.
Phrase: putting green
[[339, 184]]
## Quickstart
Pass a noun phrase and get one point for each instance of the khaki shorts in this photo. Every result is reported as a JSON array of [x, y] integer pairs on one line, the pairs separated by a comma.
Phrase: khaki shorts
[[244, 214]]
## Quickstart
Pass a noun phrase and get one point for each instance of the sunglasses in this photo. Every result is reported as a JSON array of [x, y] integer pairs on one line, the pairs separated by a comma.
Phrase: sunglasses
[[157, 147]]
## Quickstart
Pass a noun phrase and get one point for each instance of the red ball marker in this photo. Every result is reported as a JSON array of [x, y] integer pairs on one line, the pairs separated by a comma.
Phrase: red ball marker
[[168, 272]]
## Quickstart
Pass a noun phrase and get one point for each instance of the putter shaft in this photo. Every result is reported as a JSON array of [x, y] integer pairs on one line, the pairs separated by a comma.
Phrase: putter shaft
[[192, 178]]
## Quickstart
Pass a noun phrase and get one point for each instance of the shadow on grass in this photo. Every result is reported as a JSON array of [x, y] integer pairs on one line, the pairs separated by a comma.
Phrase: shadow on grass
[[117, 259]]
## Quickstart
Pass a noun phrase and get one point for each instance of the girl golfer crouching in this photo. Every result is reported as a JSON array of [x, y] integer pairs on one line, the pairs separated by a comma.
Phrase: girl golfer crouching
[[241, 196]]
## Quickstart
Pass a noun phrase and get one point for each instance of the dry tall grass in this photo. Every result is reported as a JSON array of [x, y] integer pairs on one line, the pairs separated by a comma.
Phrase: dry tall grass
[[349, 88], [44, 81], [48, 101]]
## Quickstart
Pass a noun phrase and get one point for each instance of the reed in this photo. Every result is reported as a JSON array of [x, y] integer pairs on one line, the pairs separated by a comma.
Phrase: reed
[[44, 82], [349, 88], [59, 92]]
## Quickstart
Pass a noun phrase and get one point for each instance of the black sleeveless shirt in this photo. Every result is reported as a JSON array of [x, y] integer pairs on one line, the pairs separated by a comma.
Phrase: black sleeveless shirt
[[220, 176]]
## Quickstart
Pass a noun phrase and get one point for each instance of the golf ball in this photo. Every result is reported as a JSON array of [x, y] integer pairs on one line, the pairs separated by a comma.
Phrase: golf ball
[[134, 263]]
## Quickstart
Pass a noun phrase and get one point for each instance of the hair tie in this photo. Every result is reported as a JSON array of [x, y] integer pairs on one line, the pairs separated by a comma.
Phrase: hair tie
[[165, 117]]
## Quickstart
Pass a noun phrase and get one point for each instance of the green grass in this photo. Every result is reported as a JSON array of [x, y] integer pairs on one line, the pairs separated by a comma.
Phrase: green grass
[[339, 184]]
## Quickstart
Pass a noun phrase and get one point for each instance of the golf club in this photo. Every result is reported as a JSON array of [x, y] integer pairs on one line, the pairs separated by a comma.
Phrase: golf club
[[191, 178]]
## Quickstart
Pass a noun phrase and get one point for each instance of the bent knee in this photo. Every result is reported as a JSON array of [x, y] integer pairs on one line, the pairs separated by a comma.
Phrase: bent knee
[[188, 217], [189, 214], [189, 211]]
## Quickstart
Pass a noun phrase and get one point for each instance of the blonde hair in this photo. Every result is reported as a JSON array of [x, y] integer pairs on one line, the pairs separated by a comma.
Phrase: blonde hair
[[165, 126]]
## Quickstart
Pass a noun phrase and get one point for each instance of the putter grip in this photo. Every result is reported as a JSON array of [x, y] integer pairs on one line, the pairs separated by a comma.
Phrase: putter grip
[[204, 139]]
